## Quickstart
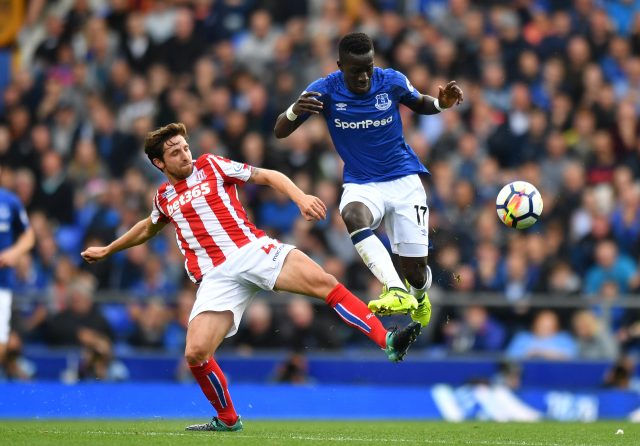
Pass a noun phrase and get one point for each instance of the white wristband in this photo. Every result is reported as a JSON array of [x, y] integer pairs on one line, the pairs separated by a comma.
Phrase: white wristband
[[291, 116], [436, 104]]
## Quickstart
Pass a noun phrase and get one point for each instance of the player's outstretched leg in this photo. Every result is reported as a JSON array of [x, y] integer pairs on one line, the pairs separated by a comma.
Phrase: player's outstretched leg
[[302, 275]]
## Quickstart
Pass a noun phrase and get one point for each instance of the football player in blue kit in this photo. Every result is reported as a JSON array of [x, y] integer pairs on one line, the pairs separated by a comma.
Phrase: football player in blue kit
[[381, 172], [16, 239]]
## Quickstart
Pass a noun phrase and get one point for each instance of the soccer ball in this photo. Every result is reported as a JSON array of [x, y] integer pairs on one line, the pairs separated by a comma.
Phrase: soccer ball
[[519, 205]]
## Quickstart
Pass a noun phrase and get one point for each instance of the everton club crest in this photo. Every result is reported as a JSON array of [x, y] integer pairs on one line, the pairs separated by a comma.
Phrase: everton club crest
[[382, 101]]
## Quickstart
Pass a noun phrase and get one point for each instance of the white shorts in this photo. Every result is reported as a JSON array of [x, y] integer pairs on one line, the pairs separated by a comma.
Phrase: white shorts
[[5, 315], [403, 205], [231, 285]]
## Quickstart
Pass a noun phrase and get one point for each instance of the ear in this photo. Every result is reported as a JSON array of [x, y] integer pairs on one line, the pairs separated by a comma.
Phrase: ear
[[158, 163], [339, 65]]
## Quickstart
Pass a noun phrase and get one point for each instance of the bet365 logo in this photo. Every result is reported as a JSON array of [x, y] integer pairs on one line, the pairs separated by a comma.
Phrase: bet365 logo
[[196, 191]]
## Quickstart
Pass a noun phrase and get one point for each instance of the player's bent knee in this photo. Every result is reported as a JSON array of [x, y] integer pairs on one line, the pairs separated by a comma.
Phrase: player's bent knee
[[356, 218], [196, 354]]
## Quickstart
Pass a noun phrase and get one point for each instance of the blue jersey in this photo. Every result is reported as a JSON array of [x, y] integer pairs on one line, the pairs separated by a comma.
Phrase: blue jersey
[[13, 222], [366, 129]]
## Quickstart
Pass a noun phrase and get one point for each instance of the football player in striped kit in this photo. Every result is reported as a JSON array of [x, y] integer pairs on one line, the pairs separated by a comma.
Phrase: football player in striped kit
[[230, 259]]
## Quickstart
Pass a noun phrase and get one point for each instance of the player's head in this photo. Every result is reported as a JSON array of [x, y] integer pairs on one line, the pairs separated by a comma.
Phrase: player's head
[[168, 150], [355, 60]]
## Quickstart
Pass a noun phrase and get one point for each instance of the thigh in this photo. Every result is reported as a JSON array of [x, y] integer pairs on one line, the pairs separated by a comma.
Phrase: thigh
[[261, 264], [407, 217], [220, 293], [301, 275], [208, 329], [367, 194]]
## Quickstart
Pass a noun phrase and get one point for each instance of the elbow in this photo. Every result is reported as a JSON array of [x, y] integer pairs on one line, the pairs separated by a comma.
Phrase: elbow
[[279, 134]]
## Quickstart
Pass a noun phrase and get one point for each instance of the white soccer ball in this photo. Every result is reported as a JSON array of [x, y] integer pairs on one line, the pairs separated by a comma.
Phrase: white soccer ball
[[519, 205]]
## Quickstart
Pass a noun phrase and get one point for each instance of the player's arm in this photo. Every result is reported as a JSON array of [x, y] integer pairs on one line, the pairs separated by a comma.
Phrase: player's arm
[[448, 96], [137, 235], [311, 208], [290, 119], [9, 257]]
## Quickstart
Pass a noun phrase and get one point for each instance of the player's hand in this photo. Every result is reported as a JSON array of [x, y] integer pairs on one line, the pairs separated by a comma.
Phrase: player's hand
[[8, 258], [94, 253], [307, 103], [450, 95], [312, 208]]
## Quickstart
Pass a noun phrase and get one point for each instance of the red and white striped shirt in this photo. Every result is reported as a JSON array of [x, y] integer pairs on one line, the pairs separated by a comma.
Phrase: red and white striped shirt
[[210, 222]]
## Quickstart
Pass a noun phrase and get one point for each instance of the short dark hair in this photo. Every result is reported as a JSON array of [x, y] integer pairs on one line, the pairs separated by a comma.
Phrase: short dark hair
[[154, 142], [354, 43]]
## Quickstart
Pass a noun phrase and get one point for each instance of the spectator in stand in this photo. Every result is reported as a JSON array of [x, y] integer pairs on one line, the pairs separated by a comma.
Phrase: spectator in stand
[[304, 330], [185, 47], [594, 341], [258, 330], [610, 266], [150, 328], [544, 341], [477, 332], [81, 323]]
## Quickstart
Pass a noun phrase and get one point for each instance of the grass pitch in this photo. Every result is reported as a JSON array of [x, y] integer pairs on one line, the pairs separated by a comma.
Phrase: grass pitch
[[282, 433]]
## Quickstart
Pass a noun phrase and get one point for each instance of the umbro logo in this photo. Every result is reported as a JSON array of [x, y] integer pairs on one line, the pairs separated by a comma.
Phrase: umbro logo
[[341, 106]]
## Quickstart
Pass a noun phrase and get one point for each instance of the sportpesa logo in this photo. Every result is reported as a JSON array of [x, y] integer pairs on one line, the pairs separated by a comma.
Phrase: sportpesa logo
[[364, 124]]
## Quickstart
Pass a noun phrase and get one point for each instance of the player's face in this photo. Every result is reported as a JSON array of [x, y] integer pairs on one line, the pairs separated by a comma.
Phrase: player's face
[[176, 161], [357, 70]]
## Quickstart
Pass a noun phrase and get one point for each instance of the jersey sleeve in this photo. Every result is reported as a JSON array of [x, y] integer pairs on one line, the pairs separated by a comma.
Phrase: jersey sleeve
[[231, 171], [405, 92], [157, 215], [319, 86]]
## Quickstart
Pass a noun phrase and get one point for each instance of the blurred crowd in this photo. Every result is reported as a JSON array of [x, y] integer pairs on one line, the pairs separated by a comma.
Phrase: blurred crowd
[[552, 96]]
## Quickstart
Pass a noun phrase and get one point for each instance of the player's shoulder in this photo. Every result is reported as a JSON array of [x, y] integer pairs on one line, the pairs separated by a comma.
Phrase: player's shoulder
[[204, 159], [211, 159], [326, 84], [391, 76]]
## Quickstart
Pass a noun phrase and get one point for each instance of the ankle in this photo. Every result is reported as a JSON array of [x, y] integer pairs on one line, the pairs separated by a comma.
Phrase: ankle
[[229, 420]]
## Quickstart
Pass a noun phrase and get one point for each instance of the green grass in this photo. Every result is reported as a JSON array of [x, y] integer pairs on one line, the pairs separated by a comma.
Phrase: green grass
[[282, 433]]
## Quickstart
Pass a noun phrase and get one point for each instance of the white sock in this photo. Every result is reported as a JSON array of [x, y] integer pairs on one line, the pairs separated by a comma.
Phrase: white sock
[[376, 257], [419, 293]]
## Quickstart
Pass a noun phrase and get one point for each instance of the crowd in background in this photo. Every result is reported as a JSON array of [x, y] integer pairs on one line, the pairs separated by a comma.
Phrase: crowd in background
[[552, 96]]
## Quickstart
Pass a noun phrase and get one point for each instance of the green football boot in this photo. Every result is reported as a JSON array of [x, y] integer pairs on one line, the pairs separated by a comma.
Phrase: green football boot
[[393, 301], [216, 425], [399, 341], [422, 314]]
